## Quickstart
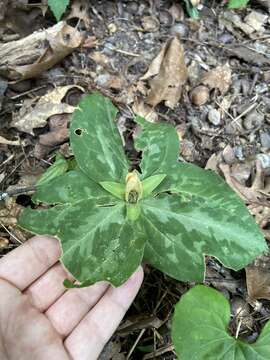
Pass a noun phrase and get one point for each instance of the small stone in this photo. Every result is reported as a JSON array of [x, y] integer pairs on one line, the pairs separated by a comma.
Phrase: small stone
[[265, 160], [266, 76], [225, 38], [165, 18], [150, 23], [265, 140], [132, 7], [179, 29], [253, 120], [214, 117], [199, 95], [238, 150], [228, 155]]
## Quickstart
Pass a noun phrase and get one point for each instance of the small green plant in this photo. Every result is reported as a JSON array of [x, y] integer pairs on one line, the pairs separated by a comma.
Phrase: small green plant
[[237, 4], [58, 7], [109, 218], [199, 330]]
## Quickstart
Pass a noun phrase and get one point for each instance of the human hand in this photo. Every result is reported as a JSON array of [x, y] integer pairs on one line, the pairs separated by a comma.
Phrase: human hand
[[41, 320]]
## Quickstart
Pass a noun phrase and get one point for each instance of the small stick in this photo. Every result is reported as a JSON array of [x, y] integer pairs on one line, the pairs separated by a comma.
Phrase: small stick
[[15, 192]]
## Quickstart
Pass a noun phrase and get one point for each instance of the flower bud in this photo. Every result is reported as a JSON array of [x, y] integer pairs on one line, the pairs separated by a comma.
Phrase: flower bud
[[133, 190]]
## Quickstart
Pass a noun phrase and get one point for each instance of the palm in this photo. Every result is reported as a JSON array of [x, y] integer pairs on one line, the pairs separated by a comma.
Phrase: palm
[[40, 320]]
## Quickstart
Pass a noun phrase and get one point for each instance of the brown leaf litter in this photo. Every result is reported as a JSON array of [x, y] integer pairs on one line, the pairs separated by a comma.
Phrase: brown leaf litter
[[35, 114], [258, 278], [169, 74], [57, 134], [28, 57], [218, 78]]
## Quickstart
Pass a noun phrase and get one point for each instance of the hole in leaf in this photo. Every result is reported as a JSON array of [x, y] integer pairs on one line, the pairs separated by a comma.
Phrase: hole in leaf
[[24, 200], [78, 132]]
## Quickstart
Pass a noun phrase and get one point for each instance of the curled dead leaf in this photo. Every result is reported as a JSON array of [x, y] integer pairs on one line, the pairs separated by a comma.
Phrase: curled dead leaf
[[258, 278], [170, 74], [33, 116], [28, 57], [144, 110]]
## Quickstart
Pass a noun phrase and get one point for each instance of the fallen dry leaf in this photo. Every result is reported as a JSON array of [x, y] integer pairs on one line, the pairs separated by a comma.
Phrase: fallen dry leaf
[[144, 110], [80, 10], [33, 116], [58, 133], [28, 57], [218, 78], [256, 20], [251, 194], [258, 278], [170, 73]]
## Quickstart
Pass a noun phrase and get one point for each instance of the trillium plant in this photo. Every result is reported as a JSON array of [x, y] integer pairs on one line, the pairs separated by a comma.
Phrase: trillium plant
[[109, 217]]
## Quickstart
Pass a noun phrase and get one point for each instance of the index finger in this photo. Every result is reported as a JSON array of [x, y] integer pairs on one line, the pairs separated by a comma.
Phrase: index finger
[[29, 261]]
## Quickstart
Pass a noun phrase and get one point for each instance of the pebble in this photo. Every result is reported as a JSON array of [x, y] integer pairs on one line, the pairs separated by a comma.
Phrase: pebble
[[238, 150], [265, 140], [264, 159], [253, 120], [214, 117], [179, 29], [225, 38], [228, 155], [199, 95], [165, 18], [132, 7]]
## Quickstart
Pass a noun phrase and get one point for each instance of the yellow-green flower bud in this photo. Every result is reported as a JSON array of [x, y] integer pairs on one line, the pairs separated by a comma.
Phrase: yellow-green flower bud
[[133, 191]]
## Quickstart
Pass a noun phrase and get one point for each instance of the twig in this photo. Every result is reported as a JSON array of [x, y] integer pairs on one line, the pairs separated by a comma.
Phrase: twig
[[10, 233], [15, 192], [135, 344]]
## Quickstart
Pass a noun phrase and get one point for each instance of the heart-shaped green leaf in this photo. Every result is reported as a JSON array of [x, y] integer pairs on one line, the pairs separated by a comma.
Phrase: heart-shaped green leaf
[[199, 331], [107, 218], [237, 4], [96, 142], [58, 7], [160, 146]]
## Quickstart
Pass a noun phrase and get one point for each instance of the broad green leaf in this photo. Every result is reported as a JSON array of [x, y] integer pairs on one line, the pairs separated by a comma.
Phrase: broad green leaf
[[182, 230], [160, 146], [174, 216], [70, 187], [200, 329], [237, 4], [96, 142], [114, 188], [98, 242], [191, 10], [58, 7], [59, 167], [151, 183]]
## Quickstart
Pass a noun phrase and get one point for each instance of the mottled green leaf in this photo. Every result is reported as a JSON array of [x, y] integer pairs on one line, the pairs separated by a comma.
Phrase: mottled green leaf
[[191, 10], [200, 329], [160, 146], [181, 230], [96, 142], [98, 242], [59, 167], [58, 7], [237, 4], [107, 218], [70, 187]]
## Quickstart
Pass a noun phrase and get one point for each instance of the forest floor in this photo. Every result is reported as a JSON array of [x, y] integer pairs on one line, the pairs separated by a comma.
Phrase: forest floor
[[216, 95]]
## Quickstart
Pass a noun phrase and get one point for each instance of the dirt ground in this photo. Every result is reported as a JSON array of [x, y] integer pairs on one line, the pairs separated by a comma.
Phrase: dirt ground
[[211, 81]]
